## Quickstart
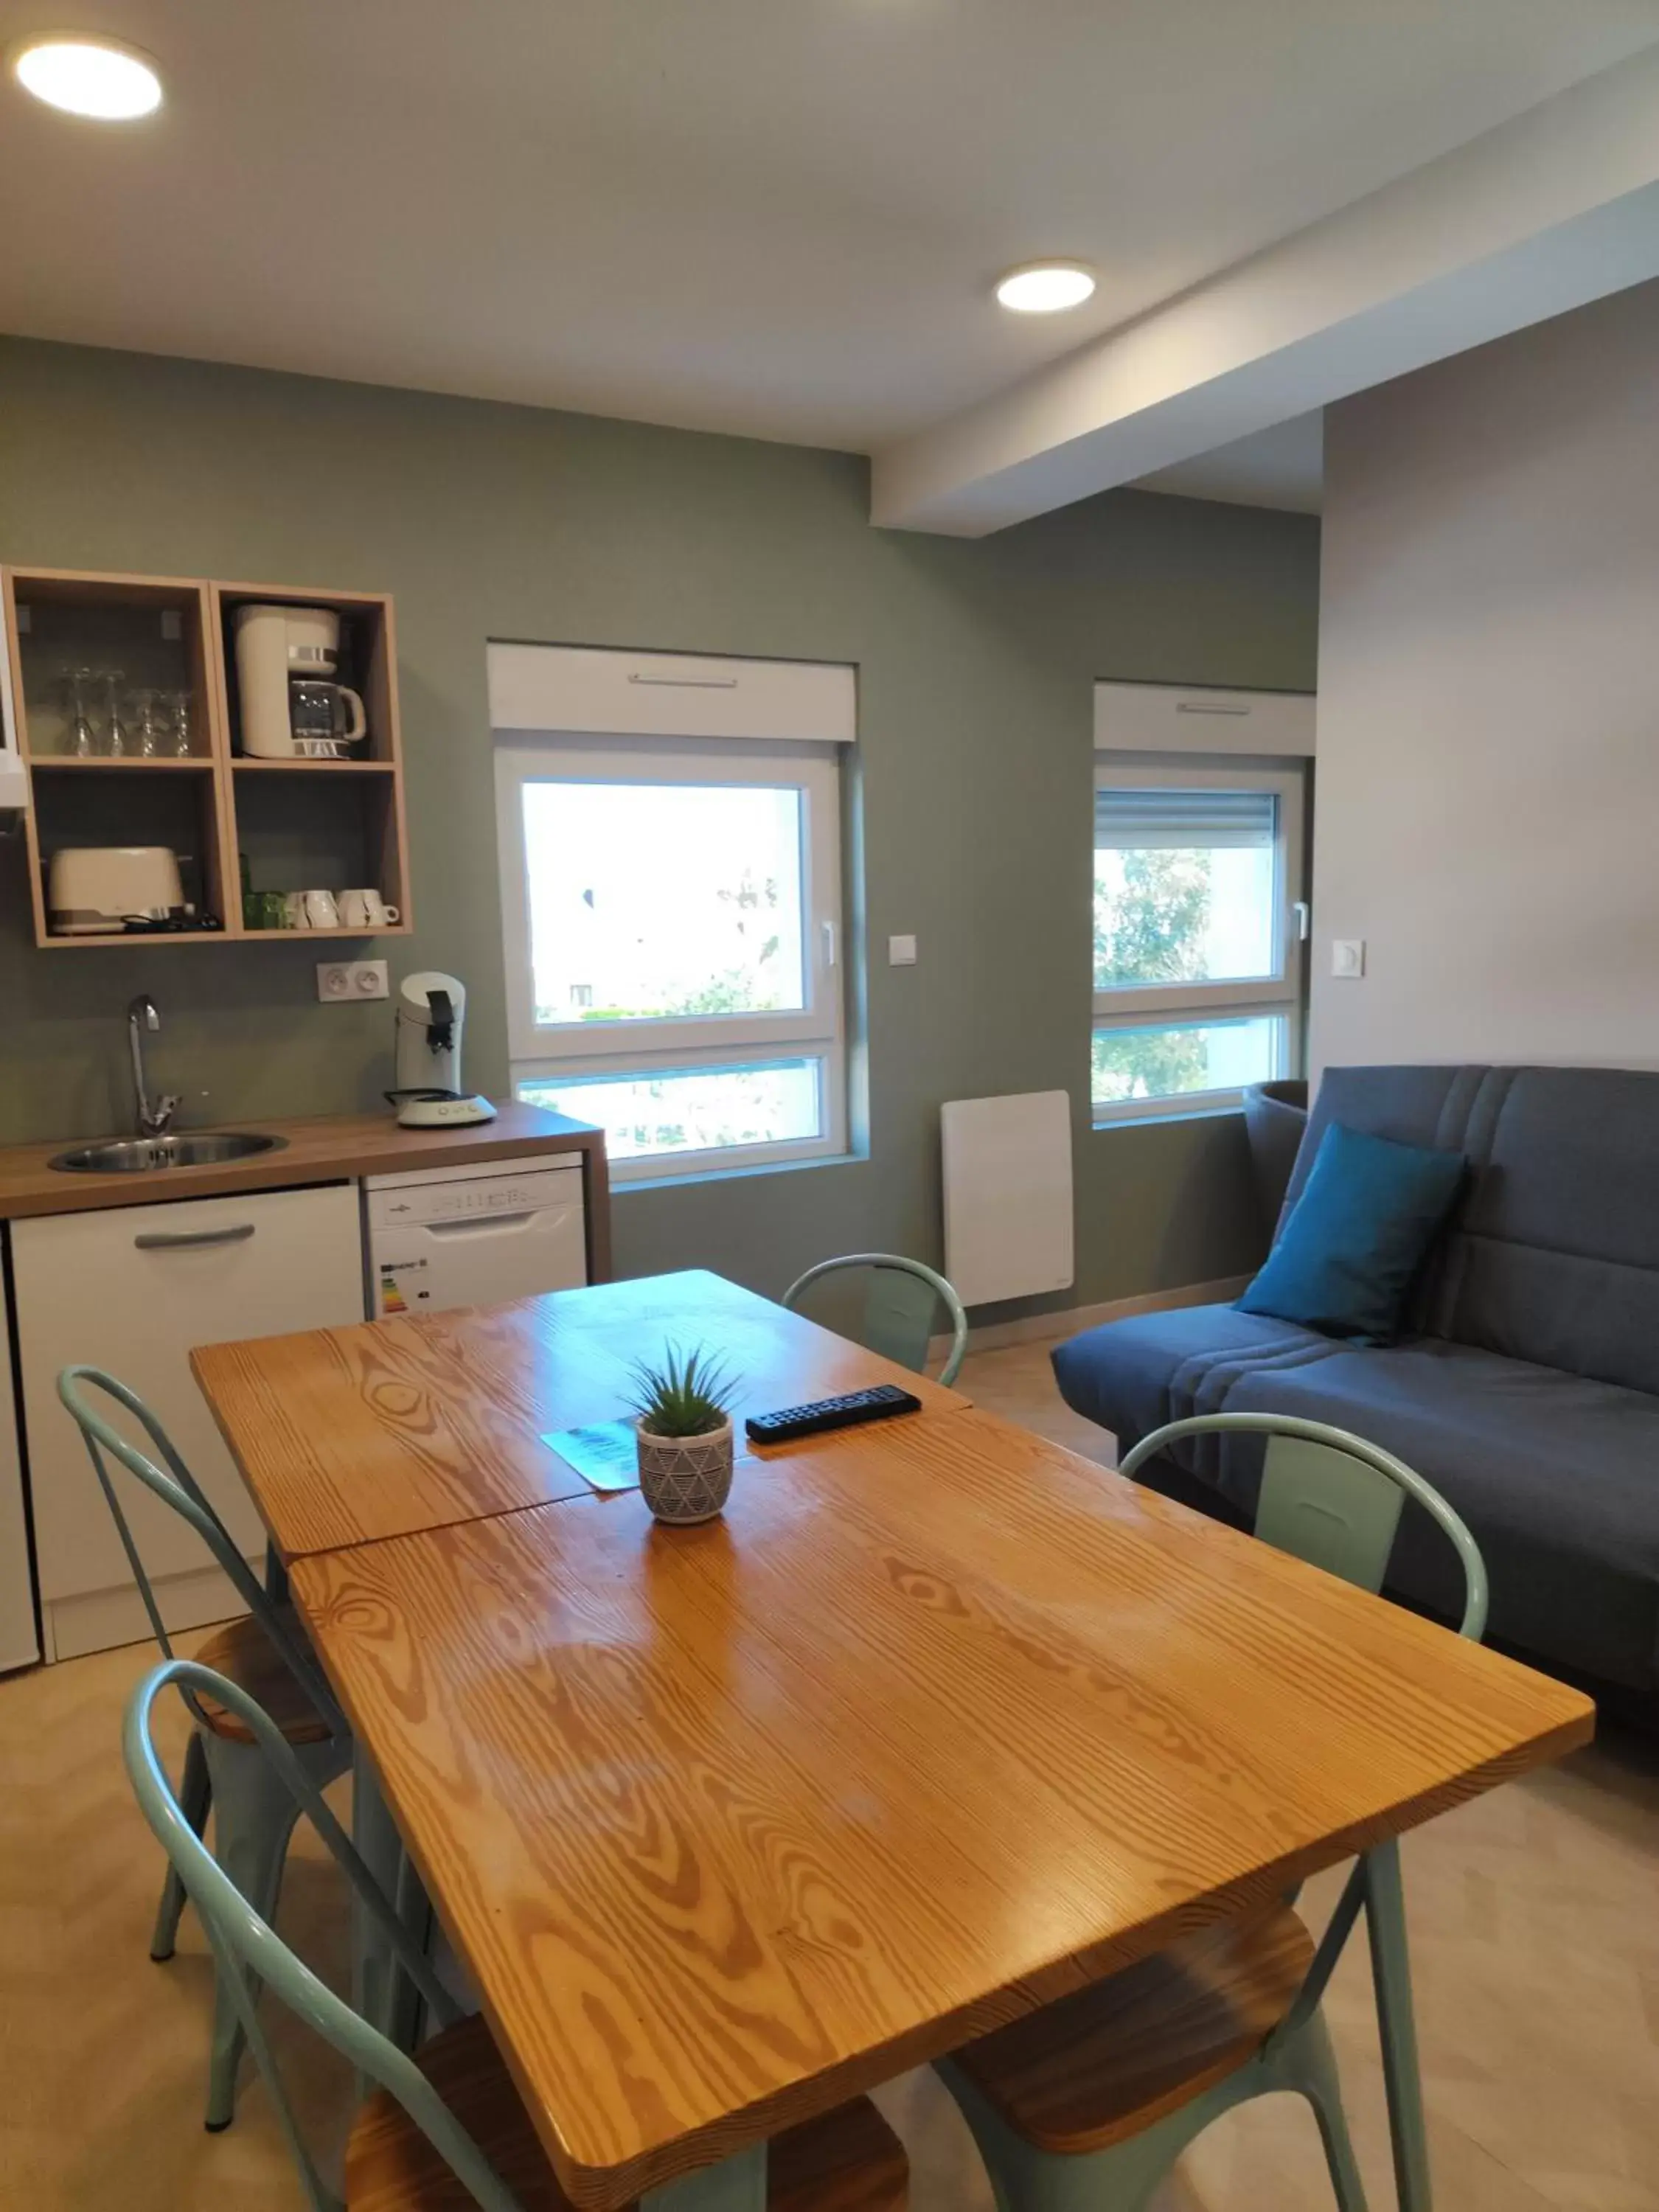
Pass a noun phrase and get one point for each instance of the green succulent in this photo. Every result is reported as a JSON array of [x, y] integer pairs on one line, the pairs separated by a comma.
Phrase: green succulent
[[683, 1394]]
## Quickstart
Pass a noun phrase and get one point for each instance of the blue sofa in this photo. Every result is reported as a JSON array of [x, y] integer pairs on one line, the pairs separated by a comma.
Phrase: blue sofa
[[1527, 1386]]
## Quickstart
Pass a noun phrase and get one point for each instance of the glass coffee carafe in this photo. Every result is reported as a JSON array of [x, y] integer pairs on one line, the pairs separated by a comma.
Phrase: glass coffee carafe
[[326, 719]]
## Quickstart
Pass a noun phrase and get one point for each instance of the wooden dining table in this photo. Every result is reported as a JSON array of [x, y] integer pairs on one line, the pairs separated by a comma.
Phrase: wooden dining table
[[937, 1723], [385, 1428]]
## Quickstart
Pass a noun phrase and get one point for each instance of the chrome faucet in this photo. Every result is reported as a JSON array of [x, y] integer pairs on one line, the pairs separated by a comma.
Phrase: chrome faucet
[[153, 1120]]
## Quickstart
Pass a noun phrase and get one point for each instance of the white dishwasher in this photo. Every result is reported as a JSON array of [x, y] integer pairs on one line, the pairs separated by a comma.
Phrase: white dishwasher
[[474, 1235]]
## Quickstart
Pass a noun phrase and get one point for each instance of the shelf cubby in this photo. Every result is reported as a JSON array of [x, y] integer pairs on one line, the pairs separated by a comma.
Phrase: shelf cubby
[[310, 826], [339, 824]]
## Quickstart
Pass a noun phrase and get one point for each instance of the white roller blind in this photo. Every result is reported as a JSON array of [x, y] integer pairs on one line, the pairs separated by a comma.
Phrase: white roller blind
[[1137, 820]]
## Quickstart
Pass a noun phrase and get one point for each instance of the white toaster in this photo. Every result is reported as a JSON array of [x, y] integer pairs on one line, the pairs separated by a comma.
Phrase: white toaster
[[92, 889]]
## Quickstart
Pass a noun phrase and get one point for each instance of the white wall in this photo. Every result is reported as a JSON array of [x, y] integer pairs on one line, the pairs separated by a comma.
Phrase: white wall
[[1487, 809]]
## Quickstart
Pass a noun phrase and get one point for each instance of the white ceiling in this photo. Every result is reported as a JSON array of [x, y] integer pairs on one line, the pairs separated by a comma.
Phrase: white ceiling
[[772, 216]]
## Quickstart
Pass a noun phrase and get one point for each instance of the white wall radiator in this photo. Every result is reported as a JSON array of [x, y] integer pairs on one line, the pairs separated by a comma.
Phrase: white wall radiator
[[1007, 1195]]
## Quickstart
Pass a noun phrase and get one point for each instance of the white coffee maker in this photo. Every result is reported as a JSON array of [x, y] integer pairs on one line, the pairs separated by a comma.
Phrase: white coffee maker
[[291, 707], [431, 1012]]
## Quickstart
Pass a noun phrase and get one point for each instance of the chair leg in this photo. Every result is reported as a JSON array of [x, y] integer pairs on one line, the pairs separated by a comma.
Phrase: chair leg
[[1385, 1926], [1125, 2178], [736, 2184], [1309, 2066], [253, 1817], [195, 1795]]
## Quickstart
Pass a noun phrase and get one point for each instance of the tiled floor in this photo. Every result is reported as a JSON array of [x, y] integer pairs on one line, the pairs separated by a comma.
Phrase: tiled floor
[[1534, 1918]]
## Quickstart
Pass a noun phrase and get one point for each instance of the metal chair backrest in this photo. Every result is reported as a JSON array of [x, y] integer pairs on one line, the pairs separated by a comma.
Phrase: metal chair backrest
[[179, 1488], [244, 1946], [1332, 1499], [898, 1308]]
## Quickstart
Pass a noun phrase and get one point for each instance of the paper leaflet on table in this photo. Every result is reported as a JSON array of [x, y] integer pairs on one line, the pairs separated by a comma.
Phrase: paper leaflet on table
[[603, 1453]]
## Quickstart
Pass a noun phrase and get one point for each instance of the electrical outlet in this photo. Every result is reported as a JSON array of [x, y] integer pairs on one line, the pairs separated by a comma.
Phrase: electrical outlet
[[339, 979]]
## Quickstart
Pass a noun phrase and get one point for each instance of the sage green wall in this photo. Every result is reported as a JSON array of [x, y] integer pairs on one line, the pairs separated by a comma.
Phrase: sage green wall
[[975, 662]]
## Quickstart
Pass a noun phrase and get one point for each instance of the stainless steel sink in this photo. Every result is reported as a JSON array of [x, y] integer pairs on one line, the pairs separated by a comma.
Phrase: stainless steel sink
[[141, 1155]]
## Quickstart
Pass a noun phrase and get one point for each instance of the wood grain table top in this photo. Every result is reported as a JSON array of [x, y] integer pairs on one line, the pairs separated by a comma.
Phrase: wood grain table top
[[938, 1722], [346, 1435]]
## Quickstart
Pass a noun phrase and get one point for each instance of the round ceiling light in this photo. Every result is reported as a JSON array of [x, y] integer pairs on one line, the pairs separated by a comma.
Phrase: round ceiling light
[[95, 76], [1044, 287]]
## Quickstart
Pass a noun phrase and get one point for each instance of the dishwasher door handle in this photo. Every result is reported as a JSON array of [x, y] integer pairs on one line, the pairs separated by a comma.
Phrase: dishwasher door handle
[[181, 1240], [478, 1225]]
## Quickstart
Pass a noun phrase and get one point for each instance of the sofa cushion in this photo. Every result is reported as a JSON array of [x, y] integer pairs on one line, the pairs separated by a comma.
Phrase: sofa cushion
[[1132, 1375], [1558, 1477], [1551, 1255], [1555, 1255], [1357, 1236]]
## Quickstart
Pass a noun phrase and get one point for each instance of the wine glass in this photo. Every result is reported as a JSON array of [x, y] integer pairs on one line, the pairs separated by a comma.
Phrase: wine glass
[[115, 728], [77, 689], [154, 722], [177, 705]]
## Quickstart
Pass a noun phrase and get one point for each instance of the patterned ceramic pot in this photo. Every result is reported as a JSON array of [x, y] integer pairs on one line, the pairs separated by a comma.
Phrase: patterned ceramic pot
[[686, 1479]]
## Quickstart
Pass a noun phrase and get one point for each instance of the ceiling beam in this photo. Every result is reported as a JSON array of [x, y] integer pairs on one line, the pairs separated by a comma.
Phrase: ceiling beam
[[1554, 209]]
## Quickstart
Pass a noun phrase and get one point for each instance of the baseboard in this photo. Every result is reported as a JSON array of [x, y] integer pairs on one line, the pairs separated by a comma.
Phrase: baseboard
[[97, 1621], [1038, 1328]]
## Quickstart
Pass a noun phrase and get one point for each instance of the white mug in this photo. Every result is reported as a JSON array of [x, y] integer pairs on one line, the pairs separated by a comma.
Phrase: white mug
[[366, 909], [312, 910]]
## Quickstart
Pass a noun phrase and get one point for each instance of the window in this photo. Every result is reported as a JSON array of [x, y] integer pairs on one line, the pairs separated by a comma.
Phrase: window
[[1197, 934], [672, 917]]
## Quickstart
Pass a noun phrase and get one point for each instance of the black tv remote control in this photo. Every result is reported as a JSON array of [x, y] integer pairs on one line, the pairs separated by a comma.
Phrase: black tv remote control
[[880, 1404]]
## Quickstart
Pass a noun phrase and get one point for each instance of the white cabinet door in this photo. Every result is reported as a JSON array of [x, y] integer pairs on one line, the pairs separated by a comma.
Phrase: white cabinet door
[[18, 1644], [132, 1289]]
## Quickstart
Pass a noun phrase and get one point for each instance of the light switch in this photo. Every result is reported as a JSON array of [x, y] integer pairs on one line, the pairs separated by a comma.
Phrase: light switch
[[1348, 958], [901, 952]]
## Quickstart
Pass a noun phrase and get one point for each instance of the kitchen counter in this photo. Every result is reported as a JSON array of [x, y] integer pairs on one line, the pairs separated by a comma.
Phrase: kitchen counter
[[324, 1148]]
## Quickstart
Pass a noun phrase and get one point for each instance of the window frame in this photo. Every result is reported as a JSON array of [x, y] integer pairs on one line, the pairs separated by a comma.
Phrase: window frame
[[1166, 1006], [690, 1044]]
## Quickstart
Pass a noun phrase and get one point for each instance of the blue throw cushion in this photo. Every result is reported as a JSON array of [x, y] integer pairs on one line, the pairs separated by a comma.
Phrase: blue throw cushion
[[1355, 1239]]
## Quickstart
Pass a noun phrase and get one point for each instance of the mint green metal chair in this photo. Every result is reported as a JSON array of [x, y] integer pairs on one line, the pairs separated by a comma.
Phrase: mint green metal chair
[[452, 2116], [1224, 2000], [898, 1308], [248, 1952], [252, 1815]]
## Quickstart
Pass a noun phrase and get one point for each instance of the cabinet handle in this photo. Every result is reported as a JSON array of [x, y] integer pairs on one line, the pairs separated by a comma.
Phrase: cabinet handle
[[1204, 707], [686, 683], [175, 1240]]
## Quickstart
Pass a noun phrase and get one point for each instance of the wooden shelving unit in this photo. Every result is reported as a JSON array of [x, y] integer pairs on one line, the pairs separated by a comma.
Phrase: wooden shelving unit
[[340, 824]]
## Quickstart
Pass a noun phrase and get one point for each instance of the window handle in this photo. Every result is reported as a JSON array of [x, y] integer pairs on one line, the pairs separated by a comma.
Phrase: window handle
[[1301, 913], [828, 943], [686, 683]]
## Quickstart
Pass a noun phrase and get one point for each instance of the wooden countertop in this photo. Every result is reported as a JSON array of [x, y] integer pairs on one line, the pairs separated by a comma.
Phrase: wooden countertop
[[318, 1149]]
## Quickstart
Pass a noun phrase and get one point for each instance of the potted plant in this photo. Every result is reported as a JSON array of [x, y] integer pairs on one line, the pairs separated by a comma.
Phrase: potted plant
[[684, 1434]]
